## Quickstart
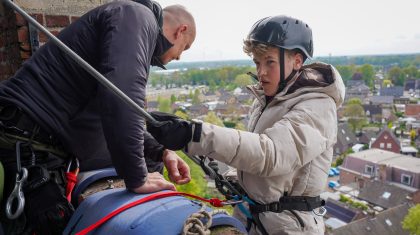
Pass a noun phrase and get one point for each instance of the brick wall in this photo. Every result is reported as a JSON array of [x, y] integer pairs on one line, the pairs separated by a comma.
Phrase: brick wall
[[15, 45]]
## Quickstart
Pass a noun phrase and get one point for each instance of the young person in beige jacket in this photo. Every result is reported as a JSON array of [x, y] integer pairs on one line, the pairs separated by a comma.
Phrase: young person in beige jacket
[[284, 158]]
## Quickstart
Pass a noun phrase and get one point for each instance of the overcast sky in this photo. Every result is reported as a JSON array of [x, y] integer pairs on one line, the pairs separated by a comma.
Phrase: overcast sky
[[340, 27]]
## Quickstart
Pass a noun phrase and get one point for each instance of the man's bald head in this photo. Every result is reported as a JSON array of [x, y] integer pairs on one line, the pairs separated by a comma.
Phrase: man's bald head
[[176, 15], [179, 28]]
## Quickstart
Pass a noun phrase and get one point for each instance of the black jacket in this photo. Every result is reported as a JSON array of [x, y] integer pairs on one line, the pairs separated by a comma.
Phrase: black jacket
[[118, 39]]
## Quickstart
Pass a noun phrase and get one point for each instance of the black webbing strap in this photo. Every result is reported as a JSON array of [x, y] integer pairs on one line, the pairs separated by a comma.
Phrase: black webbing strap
[[298, 203]]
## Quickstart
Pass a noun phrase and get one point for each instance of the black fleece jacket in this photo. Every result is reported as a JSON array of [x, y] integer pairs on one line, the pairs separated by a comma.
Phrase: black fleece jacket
[[118, 39]]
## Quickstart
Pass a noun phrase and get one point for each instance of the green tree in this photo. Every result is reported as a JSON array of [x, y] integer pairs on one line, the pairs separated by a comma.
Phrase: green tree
[[212, 118], [346, 71], [182, 114], [411, 221], [196, 97], [164, 105], [368, 73], [243, 80], [386, 83], [173, 98], [396, 75], [355, 113]]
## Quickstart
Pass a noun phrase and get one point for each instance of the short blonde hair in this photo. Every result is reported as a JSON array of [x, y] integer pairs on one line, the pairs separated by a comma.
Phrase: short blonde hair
[[252, 48]]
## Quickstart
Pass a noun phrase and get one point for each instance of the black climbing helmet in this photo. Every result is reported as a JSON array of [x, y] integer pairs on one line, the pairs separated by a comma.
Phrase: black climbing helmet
[[283, 32]]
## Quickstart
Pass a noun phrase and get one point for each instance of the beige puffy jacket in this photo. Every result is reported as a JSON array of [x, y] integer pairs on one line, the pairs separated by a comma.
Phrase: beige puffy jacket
[[289, 147]]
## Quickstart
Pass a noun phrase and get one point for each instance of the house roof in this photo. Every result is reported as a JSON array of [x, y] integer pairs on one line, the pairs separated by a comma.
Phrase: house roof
[[387, 132], [344, 135], [412, 109], [395, 91], [341, 210], [383, 194], [379, 156], [381, 99], [373, 109], [384, 223]]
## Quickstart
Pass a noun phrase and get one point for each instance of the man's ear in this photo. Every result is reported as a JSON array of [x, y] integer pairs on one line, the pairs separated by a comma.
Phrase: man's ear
[[298, 61], [180, 30]]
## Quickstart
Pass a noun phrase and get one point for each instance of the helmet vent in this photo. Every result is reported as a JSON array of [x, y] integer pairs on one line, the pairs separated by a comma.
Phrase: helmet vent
[[297, 22], [284, 21], [306, 25]]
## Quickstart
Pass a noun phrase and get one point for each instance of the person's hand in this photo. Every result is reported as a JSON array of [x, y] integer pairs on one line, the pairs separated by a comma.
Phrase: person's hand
[[178, 169], [172, 132], [154, 183]]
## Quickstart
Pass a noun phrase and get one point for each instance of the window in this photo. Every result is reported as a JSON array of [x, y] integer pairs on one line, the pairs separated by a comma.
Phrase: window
[[368, 169], [389, 145], [347, 138], [406, 179], [343, 131], [382, 145], [386, 195]]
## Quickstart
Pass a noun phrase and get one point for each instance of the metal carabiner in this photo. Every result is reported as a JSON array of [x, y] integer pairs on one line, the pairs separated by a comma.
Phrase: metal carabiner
[[321, 211], [17, 194], [232, 202]]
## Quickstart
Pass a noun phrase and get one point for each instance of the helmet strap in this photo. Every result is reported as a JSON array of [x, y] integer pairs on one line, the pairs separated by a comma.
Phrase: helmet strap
[[283, 81]]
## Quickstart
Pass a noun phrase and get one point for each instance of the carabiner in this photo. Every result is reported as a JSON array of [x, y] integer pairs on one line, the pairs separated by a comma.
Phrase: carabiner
[[17, 194], [317, 212], [232, 202]]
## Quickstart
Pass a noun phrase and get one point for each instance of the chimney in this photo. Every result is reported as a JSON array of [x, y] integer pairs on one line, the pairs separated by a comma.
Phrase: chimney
[[382, 172]]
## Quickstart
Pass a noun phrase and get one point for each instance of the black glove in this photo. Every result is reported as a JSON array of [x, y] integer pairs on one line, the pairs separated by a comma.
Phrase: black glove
[[172, 132]]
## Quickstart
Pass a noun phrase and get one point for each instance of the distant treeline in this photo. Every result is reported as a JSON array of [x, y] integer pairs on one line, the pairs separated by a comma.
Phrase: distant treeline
[[375, 60], [393, 69]]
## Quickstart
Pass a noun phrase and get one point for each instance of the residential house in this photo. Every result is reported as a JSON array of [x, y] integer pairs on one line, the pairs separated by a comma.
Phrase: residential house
[[381, 100], [402, 100], [397, 169], [373, 112], [412, 110], [360, 91], [387, 222], [345, 139], [367, 136], [340, 213], [152, 106], [412, 86], [395, 91], [197, 110], [386, 140], [383, 194]]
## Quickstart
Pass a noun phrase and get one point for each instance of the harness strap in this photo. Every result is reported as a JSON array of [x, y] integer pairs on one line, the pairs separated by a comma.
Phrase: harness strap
[[213, 201], [299, 203]]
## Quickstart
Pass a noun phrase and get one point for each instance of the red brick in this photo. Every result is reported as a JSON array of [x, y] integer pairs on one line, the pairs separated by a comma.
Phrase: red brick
[[57, 20], [25, 54], [42, 37], [25, 46], [23, 34], [20, 21], [55, 32], [38, 17], [74, 18], [5, 69], [2, 40]]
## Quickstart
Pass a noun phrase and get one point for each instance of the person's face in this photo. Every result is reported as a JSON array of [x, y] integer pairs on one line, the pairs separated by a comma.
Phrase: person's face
[[181, 40], [268, 70]]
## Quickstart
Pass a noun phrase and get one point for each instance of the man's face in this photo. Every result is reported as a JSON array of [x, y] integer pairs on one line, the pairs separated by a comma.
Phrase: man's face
[[181, 42], [268, 70]]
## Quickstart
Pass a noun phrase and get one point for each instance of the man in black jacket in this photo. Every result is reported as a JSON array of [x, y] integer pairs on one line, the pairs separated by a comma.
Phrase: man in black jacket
[[59, 102]]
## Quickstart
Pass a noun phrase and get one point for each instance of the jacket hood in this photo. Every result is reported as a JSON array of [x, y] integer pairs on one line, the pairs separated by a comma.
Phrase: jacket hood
[[162, 43], [315, 77]]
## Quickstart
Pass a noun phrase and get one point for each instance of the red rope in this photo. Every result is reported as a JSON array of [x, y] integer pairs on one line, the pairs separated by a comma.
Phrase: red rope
[[71, 182], [213, 201]]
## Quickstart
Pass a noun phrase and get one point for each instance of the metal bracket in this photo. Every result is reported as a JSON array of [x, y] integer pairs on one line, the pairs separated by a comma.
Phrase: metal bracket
[[33, 38]]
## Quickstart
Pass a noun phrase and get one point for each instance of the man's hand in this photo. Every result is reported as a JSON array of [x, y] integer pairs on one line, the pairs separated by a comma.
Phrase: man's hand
[[173, 132], [154, 183], [178, 170]]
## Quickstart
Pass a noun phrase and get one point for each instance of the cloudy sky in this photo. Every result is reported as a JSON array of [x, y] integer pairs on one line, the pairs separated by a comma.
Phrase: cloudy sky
[[340, 27]]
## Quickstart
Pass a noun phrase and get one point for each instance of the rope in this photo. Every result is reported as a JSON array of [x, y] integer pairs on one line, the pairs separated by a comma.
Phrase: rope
[[213, 201], [194, 224]]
